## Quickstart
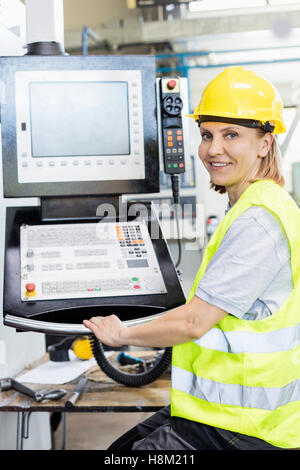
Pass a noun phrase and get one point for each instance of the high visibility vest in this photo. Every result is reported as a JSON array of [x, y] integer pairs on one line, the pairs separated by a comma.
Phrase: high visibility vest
[[244, 375]]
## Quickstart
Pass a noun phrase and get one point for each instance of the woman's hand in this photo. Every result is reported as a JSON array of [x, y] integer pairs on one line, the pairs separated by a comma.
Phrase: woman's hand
[[107, 329], [179, 325]]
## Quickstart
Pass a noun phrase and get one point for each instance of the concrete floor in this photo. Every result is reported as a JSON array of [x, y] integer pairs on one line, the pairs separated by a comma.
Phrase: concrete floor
[[95, 431]]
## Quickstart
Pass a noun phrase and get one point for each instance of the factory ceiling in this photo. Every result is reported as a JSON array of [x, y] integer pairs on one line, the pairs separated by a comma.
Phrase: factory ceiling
[[187, 33]]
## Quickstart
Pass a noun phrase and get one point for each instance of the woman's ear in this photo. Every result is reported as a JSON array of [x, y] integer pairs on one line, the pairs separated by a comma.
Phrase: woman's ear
[[266, 144]]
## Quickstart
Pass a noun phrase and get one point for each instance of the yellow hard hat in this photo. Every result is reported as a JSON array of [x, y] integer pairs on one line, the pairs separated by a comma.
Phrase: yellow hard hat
[[243, 97]]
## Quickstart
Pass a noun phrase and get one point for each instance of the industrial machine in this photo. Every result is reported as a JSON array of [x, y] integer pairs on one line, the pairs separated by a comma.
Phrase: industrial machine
[[80, 133]]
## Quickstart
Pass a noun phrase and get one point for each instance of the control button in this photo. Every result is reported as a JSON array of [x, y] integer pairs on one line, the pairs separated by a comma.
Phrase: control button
[[181, 165], [136, 286], [63, 163], [39, 164], [51, 164], [179, 137], [30, 287], [169, 132], [135, 279], [170, 144], [75, 163], [175, 165], [179, 132], [180, 150], [150, 287], [23, 126], [171, 84], [29, 253], [30, 290]]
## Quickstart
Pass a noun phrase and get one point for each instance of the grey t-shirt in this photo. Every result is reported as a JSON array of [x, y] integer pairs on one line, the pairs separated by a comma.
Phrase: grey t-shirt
[[250, 275]]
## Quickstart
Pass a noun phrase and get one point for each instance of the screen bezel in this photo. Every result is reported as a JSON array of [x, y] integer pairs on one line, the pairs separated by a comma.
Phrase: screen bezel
[[56, 169]]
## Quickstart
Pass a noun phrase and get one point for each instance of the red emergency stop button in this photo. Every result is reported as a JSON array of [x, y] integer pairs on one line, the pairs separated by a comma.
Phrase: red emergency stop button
[[30, 289], [171, 84]]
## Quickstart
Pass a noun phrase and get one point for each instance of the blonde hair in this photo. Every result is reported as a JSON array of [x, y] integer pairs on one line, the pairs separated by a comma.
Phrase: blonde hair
[[270, 167]]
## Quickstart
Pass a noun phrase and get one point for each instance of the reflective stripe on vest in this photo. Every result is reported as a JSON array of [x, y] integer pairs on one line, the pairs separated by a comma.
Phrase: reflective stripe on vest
[[244, 375], [250, 342], [264, 398]]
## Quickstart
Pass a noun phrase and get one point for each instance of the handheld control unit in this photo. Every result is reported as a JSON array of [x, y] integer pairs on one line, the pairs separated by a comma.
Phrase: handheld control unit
[[171, 125]]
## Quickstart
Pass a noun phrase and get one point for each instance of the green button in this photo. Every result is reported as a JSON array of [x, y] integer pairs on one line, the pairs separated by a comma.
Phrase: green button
[[175, 165], [169, 165], [134, 278]]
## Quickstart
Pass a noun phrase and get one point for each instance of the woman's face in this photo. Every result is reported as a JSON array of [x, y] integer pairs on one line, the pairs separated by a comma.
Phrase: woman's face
[[232, 154]]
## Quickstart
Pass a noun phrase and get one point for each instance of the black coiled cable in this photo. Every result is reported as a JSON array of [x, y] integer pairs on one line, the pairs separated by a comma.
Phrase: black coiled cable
[[125, 378]]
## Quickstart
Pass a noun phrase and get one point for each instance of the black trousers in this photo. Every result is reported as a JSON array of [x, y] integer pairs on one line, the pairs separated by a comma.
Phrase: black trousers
[[163, 432]]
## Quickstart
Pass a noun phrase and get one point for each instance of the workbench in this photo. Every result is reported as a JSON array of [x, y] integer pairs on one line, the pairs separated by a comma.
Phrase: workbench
[[101, 394]]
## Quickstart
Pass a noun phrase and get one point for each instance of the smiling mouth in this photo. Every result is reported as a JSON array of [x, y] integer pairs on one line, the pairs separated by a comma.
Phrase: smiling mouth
[[219, 165]]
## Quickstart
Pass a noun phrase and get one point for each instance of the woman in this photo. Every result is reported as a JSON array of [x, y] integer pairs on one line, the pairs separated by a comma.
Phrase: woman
[[235, 365]]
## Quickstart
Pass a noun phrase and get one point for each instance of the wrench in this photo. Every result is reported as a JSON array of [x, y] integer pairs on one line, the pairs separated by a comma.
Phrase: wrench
[[8, 383]]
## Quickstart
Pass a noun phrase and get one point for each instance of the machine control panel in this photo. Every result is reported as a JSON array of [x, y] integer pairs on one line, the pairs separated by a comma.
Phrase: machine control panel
[[84, 260], [171, 125]]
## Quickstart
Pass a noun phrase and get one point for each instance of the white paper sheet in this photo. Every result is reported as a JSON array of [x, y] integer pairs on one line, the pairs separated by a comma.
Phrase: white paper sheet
[[58, 372]]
